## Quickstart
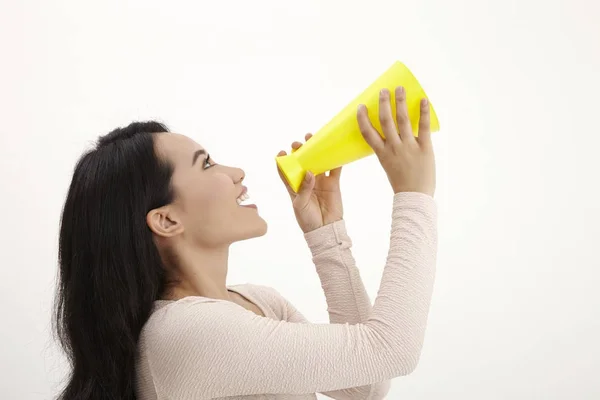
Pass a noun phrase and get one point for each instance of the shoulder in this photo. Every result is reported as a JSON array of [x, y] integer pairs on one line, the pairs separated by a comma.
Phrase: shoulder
[[178, 321], [265, 297], [193, 313], [195, 334], [257, 290], [260, 293]]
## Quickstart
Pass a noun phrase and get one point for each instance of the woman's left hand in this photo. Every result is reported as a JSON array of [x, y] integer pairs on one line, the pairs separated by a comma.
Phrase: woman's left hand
[[319, 200]]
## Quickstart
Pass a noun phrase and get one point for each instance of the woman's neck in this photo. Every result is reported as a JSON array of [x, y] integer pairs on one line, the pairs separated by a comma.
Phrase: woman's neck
[[198, 272]]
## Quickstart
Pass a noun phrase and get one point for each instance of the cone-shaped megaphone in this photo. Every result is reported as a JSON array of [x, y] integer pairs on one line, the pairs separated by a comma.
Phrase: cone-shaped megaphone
[[340, 141]]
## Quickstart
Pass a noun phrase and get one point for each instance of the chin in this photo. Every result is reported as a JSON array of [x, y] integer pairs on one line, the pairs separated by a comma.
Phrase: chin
[[261, 228], [257, 229]]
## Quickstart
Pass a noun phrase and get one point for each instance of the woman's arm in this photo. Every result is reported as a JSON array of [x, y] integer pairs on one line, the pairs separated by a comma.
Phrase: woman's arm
[[374, 391], [345, 293], [202, 348], [347, 299]]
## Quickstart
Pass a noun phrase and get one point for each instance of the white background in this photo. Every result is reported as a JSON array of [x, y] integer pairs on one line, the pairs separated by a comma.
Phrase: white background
[[516, 309]]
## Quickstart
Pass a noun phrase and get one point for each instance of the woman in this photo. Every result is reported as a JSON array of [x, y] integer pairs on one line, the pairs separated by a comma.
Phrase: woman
[[143, 308]]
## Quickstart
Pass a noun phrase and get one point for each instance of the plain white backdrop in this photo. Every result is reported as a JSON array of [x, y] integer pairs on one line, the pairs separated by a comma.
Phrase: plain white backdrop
[[516, 306]]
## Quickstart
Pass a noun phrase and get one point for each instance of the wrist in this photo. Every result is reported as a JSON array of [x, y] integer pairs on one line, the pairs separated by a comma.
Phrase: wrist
[[308, 228], [327, 236]]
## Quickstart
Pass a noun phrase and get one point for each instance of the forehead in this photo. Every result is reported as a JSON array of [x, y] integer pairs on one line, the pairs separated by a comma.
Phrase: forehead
[[176, 148]]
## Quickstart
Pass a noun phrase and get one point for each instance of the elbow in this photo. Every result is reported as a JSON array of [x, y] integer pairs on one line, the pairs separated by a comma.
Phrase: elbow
[[403, 361], [409, 363], [402, 353], [402, 357], [379, 390], [375, 391]]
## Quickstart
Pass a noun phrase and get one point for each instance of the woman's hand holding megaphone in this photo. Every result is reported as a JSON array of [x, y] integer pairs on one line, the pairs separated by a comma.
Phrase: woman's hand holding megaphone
[[407, 160], [319, 200]]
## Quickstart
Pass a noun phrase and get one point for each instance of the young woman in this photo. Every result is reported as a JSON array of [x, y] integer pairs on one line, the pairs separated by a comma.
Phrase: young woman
[[143, 309]]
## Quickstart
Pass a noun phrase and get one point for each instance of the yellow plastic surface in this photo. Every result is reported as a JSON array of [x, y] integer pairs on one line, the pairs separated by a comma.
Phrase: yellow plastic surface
[[340, 141]]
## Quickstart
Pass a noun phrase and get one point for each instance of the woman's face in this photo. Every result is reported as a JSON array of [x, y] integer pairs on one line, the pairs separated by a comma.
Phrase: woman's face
[[207, 195]]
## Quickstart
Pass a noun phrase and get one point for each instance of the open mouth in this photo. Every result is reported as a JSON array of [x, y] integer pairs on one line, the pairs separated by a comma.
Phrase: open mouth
[[243, 197], [242, 200]]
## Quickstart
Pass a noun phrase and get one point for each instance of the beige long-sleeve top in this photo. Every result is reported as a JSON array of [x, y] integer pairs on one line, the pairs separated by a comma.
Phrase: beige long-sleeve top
[[202, 348]]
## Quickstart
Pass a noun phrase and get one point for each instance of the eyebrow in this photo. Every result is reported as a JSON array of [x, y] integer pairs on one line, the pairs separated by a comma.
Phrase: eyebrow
[[196, 155]]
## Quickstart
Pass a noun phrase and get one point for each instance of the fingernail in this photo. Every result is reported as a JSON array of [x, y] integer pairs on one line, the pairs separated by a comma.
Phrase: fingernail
[[384, 92], [401, 90], [307, 176], [424, 102]]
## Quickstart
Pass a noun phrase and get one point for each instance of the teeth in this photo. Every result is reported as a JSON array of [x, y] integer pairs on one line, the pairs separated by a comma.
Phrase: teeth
[[242, 198]]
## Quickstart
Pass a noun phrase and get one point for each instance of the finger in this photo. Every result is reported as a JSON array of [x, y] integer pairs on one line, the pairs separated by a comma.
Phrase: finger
[[424, 124], [372, 137], [296, 146], [285, 183], [307, 136], [306, 188], [335, 173], [386, 118], [402, 115]]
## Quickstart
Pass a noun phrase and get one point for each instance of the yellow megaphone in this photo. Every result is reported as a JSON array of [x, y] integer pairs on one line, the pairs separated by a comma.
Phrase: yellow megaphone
[[340, 141]]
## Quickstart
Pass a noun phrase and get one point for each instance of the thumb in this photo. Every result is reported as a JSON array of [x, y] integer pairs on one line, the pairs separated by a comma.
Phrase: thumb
[[306, 188]]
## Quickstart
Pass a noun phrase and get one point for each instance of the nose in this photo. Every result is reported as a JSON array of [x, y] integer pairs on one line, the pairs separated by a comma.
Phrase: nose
[[240, 175]]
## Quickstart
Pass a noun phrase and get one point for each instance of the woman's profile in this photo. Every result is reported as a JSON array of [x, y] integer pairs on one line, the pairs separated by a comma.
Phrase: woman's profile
[[143, 310]]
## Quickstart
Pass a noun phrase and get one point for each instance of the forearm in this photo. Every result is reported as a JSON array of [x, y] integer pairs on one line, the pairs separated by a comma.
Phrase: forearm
[[345, 293]]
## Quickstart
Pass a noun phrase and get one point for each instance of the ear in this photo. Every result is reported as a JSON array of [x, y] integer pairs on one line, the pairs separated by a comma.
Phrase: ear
[[164, 222]]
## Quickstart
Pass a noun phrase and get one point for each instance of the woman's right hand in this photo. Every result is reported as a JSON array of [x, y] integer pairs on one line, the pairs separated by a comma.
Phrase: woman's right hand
[[408, 161]]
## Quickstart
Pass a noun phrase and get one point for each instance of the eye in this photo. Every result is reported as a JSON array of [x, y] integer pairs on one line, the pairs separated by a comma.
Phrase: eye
[[207, 164]]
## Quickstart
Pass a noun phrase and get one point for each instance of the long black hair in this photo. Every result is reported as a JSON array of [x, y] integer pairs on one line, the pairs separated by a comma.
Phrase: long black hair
[[110, 271]]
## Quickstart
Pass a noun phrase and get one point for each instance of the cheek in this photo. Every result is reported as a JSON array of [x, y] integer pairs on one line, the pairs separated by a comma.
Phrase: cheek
[[211, 197]]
